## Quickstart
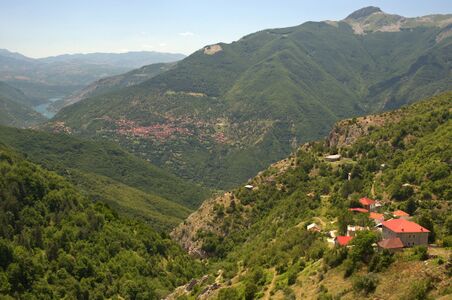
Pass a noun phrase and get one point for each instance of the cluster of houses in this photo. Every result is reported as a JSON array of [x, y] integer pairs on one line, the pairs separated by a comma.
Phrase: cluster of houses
[[158, 131], [397, 233]]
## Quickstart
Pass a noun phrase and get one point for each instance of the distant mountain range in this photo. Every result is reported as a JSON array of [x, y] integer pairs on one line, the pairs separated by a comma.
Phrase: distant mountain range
[[61, 75], [228, 110]]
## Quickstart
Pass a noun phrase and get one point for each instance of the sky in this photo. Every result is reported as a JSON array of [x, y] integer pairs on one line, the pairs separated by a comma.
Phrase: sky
[[40, 28]]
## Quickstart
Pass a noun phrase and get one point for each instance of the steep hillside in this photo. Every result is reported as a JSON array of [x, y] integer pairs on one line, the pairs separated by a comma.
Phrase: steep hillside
[[107, 173], [57, 244], [228, 110], [257, 235], [114, 83], [14, 108]]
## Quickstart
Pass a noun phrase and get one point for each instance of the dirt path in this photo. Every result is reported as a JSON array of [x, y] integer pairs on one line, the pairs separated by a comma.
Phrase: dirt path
[[322, 223], [267, 295]]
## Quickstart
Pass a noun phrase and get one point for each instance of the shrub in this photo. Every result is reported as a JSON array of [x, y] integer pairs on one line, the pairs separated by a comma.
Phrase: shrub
[[381, 261], [350, 267], [335, 257], [250, 290], [419, 290], [229, 294], [421, 252], [366, 284]]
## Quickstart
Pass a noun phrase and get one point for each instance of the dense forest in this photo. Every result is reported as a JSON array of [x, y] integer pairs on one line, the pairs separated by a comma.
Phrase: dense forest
[[55, 243]]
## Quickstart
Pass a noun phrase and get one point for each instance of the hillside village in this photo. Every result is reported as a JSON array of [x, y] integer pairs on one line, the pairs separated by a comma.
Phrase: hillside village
[[312, 229]]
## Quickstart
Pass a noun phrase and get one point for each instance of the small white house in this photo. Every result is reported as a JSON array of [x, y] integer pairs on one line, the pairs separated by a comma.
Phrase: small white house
[[333, 157], [313, 227]]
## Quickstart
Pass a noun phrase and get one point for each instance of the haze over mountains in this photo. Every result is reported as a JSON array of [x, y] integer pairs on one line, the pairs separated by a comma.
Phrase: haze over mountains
[[58, 76], [228, 110]]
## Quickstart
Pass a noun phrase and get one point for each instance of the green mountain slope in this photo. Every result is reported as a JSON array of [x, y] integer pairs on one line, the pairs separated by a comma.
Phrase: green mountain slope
[[15, 108], [259, 239], [114, 83], [228, 110], [106, 172], [55, 243]]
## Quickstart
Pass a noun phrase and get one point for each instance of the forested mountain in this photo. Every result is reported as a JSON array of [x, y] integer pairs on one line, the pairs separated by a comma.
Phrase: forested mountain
[[228, 110], [58, 76], [14, 108], [105, 172], [57, 244], [258, 235], [114, 83]]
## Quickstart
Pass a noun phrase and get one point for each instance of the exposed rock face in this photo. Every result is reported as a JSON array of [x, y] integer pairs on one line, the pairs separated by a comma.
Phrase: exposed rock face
[[372, 19], [201, 220], [211, 50], [205, 218], [346, 132]]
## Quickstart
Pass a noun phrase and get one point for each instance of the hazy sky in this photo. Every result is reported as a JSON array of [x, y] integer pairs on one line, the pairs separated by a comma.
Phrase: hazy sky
[[39, 28]]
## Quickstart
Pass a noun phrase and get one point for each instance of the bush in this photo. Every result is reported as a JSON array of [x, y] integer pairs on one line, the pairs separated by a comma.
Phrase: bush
[[229, 294], [419, 290], [381, 261], [421, 252], [250, 290], [335, 257], [350, 267], [366, 284], [292, 277]]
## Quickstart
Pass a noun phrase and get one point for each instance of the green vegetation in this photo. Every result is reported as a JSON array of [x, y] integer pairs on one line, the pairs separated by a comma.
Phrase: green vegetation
[[107, 173], [266, 227], [114, 83], [14, 108], [252, 102], [55, 243]]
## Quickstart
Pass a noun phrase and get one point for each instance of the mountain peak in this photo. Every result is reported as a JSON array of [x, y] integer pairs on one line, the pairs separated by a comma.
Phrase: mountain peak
[[363, 12]]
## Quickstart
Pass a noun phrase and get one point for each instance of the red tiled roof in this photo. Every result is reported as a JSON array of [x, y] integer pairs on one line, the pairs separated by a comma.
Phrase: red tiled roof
[[400, 213], [402, 225], [392, 243], [366, 201], [376, 216], [343, 240], [359, 209]]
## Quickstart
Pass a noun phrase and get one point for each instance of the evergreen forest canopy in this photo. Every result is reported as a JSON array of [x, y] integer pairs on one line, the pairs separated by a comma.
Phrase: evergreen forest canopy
[[55, 243]]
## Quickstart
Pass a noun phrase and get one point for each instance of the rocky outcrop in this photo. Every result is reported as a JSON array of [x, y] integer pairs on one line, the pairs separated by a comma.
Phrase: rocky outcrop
[[347, 132], [205, 219]]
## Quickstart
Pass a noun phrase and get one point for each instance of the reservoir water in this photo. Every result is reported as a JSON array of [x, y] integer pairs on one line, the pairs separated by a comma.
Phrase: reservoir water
[[44, 108]]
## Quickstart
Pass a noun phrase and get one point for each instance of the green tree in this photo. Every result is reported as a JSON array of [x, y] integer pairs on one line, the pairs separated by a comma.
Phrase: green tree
[[362, 249]]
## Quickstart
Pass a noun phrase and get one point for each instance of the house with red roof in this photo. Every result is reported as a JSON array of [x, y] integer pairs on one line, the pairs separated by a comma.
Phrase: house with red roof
[[401, 214], [367, 203], [342, 240], [391, 244], [410, 233], [358, 209], [378, 218]]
